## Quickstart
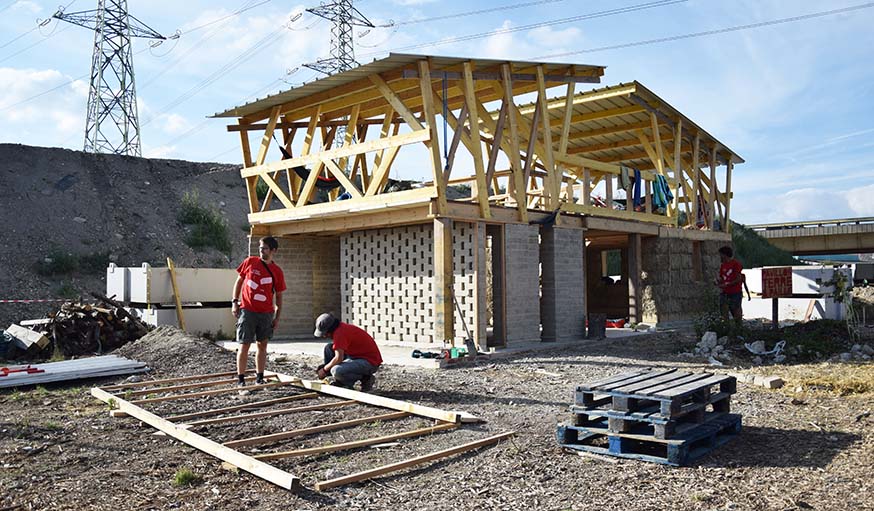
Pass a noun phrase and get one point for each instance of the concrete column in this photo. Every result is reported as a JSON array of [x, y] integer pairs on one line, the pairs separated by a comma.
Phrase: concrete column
[[521, 279], [444, 329], [563, 284]]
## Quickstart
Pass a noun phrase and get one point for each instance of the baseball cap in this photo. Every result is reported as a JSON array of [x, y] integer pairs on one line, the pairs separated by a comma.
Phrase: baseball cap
[[325, 324]]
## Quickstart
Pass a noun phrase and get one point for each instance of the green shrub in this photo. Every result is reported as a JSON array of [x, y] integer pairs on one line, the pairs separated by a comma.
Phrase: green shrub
[[754, 251], [261, 189], [208, 226], [59, 262], [67, 290], [185, 477]]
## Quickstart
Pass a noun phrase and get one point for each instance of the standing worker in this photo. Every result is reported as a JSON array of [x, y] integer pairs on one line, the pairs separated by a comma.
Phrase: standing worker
[[730, 281], [259, 281], [352, 355]]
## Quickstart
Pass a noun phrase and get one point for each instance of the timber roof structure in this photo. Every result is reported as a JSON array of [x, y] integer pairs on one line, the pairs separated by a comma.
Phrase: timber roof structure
[[518, 163]]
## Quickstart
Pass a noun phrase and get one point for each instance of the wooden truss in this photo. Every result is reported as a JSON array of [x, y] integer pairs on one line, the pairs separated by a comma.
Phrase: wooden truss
[[299, 396], [546, 156]]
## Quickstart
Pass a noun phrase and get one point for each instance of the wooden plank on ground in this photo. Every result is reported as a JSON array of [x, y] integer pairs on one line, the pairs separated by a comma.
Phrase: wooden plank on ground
[[356, 443], [205, 393], [238, 459], [254, 404], [367, 474], [186, 386], [169, 380], [271, 413], [284, 435]]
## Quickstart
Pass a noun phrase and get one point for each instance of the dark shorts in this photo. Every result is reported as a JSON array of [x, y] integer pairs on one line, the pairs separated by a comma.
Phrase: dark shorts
[[254, 326], [733, 300]]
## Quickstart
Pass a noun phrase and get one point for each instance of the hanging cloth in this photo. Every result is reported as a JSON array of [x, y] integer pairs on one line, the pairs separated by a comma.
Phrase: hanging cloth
[[661, 194], [638, 184]]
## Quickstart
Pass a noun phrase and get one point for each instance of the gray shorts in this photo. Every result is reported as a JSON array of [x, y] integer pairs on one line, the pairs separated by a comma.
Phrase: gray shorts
[[254, 326]]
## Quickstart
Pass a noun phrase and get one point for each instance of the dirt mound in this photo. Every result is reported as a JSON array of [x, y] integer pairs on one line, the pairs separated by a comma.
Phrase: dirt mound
[[167, 349], [85, 210]]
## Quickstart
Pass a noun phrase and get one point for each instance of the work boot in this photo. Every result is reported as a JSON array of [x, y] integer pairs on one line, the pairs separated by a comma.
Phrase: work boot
[[367, 383], [259, 380]]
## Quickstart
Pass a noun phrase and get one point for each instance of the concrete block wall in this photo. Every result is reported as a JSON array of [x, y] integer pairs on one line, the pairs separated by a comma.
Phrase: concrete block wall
[[387, 278], [522, 259], [311, 268], [563, 281], [673, 291]]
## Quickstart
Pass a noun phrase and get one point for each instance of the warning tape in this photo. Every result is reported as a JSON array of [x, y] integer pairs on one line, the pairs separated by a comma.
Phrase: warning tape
[[35, 301]]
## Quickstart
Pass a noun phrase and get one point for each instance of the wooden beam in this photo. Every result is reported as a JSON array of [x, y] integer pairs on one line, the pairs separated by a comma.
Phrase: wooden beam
[[481, 193], [169, 380], [711, 201], [201, 394], [380, 174], [615, 213], [421, 135], [341, 176], [247, 463], [395, 102], [696, 177], [285, 435], [552, 183], [268, 135], [356, 443], [244, 406], [727, 218], [186, 386], [434, 145], [251, 182], [367, 474], [589, 97], [270, 413], [516, 187]]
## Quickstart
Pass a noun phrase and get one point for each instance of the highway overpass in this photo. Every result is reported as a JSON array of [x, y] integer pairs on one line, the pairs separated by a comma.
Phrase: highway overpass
[[813, 237]]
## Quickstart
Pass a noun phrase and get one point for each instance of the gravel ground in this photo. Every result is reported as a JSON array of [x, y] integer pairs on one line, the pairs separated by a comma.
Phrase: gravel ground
[[61, 450]]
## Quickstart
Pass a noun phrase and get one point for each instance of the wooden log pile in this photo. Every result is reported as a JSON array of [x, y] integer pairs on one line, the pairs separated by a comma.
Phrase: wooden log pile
[[77, 329]]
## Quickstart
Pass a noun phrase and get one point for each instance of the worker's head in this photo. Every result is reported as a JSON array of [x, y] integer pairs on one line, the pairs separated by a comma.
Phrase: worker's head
[[267, 246], [325, 325], [725, 253]]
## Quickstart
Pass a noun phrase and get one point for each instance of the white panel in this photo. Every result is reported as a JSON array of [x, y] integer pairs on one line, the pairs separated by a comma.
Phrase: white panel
[[153, 285], [118, 283], [197, 321]]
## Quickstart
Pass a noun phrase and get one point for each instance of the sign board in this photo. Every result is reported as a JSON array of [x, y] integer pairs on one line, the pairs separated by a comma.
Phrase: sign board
[[776, 282]]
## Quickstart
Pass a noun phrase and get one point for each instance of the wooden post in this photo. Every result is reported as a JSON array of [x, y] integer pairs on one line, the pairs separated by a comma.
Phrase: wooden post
[[711, 202], [434, 145], [635, 269], [176, 293], [727, 220], [444, 329], [696, 177], [775, 314]]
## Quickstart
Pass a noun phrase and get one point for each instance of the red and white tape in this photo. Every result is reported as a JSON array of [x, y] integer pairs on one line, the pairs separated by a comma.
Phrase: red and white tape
[[35, 301]]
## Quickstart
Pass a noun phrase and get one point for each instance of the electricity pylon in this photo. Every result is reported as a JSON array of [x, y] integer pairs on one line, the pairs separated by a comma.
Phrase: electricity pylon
[[112, 124], [344, 16]]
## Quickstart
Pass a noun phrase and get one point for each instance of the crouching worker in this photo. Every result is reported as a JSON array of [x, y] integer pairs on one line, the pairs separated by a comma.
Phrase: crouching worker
[[351, 356]]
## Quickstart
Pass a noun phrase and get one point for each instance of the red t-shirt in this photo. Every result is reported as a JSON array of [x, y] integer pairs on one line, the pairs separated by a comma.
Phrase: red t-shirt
[[729, 271], [356, 343], [258, 285]]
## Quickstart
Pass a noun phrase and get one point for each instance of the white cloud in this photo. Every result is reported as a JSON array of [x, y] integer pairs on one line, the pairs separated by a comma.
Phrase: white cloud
[[174, 123], [860, 202], [408, 3], [164, 151], [24, 5]]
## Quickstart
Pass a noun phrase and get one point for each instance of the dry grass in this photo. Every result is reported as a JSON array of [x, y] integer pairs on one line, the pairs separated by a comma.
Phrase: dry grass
[[842, 379]]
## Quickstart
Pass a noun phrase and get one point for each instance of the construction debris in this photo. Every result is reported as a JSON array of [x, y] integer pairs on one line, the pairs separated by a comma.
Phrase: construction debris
[[93, 367], [76, 329]]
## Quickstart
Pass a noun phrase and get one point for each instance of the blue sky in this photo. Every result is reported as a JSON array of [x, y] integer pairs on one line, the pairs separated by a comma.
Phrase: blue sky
[[796, 100]]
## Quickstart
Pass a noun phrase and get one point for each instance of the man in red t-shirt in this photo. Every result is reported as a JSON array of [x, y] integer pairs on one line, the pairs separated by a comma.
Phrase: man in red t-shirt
[[730, 281], [351, 356], [259, 281]]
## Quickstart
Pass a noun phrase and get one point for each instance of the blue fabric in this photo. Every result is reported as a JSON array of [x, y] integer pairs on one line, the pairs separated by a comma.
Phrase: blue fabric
[[661, 193], [637, 187]]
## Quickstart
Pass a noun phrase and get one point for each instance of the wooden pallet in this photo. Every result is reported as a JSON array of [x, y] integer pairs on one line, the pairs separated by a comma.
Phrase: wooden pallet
[[675, 393], [302, 396], [691, 442]]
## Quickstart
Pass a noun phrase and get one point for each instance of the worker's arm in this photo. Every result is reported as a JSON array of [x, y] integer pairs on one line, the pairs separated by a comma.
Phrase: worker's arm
[[338, 357], [278, 310], [235, 296]]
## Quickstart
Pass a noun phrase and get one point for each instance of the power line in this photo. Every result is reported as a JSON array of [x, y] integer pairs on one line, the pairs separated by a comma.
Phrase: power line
[[712, 32], [235, 13], [594, 15], [468, 13], [46, 38]]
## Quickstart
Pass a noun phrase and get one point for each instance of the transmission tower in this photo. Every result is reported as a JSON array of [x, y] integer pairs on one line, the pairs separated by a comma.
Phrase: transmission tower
[[344, 16], [112, 124]]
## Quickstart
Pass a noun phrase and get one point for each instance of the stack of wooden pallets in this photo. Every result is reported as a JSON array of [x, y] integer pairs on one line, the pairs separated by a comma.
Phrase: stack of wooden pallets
[[669, 417]]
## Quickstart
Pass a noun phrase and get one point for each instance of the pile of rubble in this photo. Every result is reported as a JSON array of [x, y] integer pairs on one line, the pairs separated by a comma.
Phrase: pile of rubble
[[74, 329], [713, 348], [859, 352]]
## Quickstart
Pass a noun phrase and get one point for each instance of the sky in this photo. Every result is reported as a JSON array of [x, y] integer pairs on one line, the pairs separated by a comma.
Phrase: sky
[[795, 99]]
